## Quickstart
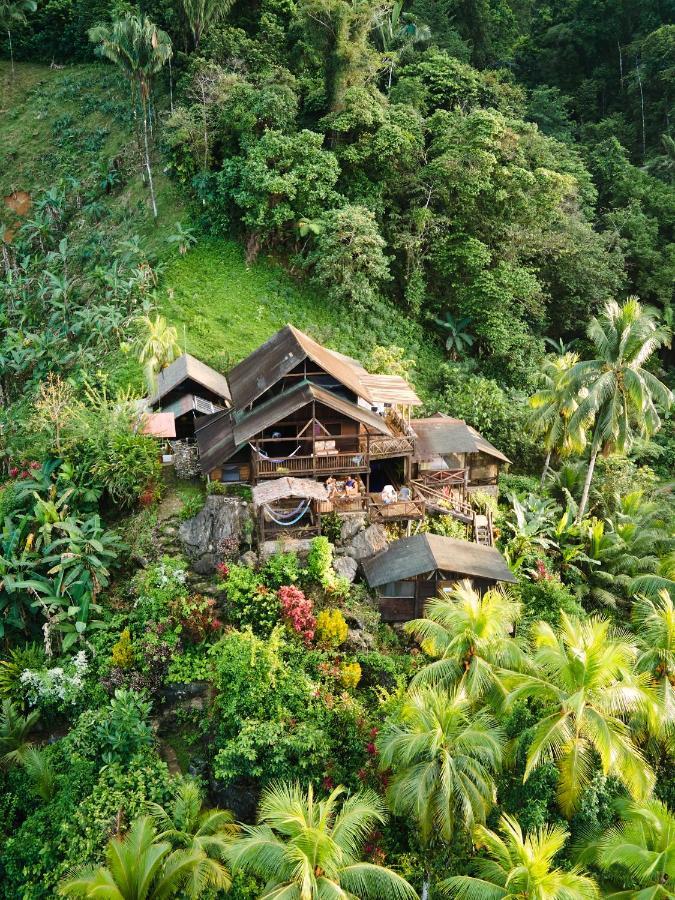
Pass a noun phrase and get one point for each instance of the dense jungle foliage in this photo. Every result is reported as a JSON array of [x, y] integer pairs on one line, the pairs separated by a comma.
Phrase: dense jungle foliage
[[478, 195]]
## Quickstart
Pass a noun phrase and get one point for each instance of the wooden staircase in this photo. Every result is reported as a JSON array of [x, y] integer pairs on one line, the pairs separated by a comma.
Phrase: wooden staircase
[[480, 525]]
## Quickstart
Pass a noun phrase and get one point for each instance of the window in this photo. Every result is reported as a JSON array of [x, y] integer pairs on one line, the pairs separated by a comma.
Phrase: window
[[398, 589]]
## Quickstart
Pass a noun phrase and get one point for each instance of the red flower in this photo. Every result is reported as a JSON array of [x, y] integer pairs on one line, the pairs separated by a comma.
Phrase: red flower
[[223, 569], [35, 464], [13, 472], [371, 748], [362, 774], [25, 474], [373, 733], [328, 783]]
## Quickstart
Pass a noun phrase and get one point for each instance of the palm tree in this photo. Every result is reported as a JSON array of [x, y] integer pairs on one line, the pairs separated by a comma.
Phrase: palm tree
[[621, 396], [209, 832], [304, 849], [201, 14], [140, 49], [585, 680], [13, 12], [639, 853], [14, 734], [139, 867], [553, 406], [444, 757], [654, 622], [41, 773], [458, 340], [183, 238], [520, 866], [395, 35], [470, 636], [158, 347]]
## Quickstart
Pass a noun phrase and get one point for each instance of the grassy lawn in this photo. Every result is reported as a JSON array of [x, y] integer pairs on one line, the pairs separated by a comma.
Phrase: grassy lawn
[[223, 309]]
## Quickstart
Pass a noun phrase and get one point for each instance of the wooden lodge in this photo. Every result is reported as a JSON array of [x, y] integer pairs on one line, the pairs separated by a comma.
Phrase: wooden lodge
[[413, 569]]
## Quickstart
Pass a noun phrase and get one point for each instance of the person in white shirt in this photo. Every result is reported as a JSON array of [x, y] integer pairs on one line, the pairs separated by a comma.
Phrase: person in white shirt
[[388, 494]]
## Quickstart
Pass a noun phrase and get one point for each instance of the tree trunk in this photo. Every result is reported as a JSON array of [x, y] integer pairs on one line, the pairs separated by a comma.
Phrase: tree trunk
[[147, 160], [170, 87], [587, 486], [547, 465], [11, 50], [426, 884], [642, 110]]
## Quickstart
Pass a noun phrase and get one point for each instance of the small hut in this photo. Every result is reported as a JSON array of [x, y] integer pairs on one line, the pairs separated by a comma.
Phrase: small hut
[[288, 506], [413, 569]]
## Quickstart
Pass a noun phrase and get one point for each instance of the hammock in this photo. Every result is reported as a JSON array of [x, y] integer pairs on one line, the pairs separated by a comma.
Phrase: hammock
[[287, 513], [304, 506], [277, 459]]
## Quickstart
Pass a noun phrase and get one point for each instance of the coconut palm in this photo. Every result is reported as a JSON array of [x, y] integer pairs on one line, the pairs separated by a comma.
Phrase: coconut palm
[[14, 734], [13, 12], [654, 622], [209, 832], [470, 636], [306, 849], [520, 865], [139, 867], [444, 757], [638, 855], [552, 408], [201, 14], [140, 49], [615, 390], [586, 684], [158, 347]]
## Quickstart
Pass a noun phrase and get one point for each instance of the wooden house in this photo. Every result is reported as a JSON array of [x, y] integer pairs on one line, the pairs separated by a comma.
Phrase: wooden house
[[413, 569], [190, 390], [450, 452]]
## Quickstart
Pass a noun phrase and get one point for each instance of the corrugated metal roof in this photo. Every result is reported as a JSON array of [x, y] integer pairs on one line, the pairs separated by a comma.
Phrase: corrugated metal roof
[[185, 367], [282, 488], [441, 435], [161, 425], [390, 389], [424, 553], [189, 402], [280, 355], [221, 435]]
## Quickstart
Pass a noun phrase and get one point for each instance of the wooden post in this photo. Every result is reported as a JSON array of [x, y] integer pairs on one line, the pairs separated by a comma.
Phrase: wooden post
[[313, 429]]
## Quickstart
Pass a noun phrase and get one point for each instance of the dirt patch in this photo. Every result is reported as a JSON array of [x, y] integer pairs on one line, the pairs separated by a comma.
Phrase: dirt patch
[[19, 202]]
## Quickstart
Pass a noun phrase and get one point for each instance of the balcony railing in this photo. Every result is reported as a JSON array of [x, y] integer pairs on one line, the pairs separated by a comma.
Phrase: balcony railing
[[400, 445], [309, 465]]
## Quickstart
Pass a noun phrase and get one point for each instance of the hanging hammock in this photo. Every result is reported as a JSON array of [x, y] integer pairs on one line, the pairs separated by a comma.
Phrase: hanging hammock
[[304, 507], [277, 459], [286, 513]]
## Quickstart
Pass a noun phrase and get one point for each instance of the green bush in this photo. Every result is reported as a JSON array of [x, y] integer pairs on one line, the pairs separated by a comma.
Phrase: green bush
[[545, 599], [249, 601]]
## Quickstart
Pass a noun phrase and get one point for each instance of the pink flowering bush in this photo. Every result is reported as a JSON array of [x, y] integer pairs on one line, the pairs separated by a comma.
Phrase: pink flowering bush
[[297, 611]]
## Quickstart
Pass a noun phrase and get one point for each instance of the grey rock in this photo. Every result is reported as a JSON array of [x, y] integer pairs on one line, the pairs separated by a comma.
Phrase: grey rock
[[250, 559], [353, 621], [367, 543], [219, 519], [301, 546], [359, 641], [352, 523], [346, 567], [206, 565]]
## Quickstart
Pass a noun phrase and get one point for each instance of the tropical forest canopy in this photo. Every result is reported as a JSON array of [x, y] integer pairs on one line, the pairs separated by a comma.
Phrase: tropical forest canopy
[[478, 195]]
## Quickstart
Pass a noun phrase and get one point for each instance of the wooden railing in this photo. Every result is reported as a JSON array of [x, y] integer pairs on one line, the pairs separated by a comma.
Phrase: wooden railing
[[399, 445], [310, 465], [400, 510]]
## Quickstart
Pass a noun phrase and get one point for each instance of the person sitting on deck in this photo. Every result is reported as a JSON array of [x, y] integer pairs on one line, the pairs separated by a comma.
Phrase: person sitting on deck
[[331, 486], [351, 487], [389, 495], [404, 494]]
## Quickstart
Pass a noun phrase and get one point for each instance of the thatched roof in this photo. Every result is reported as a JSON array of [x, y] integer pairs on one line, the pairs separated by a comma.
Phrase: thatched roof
[[278, 356], [188, 368], [426, 553], [283, 488], [220, 436], [442, 435]]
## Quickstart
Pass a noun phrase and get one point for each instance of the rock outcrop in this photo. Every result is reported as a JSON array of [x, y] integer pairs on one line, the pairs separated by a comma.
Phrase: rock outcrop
[[346, 567], [203, 537], [367, 543]]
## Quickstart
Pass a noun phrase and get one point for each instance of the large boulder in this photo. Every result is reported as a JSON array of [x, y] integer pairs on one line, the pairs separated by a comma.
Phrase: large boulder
[[301, 546], [346, 567], [204, 537], [352, 523], [367, 543]]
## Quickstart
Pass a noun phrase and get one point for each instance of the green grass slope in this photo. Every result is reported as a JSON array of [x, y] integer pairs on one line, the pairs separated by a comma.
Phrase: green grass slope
[[72, 122]]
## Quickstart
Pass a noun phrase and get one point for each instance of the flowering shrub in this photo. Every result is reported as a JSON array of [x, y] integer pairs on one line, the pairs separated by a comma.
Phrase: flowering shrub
[[60, 684], [196, 617], [249, 601], [122, 651], [331, 628], [350, 674], [229, 547], [158, 587], [297, 611]]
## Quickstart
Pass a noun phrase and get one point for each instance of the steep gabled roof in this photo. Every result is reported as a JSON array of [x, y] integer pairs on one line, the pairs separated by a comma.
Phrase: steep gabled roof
[[186, 368], [220, 436], [423, 553], [441, 435], [280, 355]]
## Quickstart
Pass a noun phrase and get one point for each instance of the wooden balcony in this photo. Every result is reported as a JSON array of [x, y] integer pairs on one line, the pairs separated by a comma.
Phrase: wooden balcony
[[336, 463], [387, 447], [400, 511]]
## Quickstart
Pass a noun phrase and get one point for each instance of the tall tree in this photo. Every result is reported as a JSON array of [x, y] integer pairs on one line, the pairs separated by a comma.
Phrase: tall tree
[[13, 12], [202, 14], [520, 865], [444, 757], [208, 832], [139, 867], [586, 683], [158, 347], [470, 636], [140, 49], [621, 395], [654, 622], [304, 849], [553, 406]]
